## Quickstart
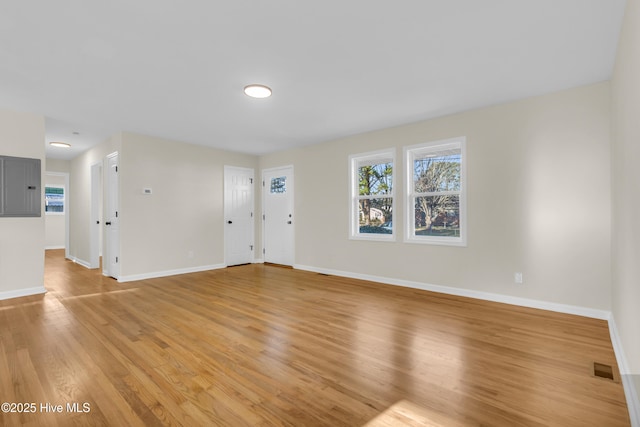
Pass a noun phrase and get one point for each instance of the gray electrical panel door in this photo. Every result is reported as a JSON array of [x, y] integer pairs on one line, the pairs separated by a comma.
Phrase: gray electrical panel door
[[20, 187]]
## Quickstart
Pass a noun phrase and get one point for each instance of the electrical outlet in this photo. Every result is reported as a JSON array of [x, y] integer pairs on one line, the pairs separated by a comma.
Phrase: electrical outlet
[[517, 277]]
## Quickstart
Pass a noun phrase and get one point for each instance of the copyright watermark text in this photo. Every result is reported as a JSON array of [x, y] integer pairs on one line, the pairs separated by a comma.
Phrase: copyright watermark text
[[45, 408]]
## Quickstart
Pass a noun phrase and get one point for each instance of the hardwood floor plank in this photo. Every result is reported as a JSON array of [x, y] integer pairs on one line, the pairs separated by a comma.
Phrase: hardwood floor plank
[[260, 345]]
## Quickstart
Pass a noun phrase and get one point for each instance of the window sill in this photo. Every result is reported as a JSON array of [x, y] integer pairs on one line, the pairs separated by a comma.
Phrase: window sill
[[437, 241], [374, 238]]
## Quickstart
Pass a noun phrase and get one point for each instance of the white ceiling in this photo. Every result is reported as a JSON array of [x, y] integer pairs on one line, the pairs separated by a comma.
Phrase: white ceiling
[[176, 69]]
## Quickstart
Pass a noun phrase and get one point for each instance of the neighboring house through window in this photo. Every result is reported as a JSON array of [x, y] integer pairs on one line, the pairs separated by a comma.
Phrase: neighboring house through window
[[372, 195], [54, 202]]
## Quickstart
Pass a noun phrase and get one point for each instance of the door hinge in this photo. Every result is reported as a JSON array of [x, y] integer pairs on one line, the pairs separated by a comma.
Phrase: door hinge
[[116, 214], [263, 183], [251, 214], [263, 251], [116, 168], [251, 246], [263, 217], [250, 180], [116, 260]]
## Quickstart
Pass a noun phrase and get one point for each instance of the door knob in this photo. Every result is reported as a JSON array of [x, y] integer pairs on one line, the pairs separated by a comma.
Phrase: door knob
[[229, 222], [107, 223], [288, 222]]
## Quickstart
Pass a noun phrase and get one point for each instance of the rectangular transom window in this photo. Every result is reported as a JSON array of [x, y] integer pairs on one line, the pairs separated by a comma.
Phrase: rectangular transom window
[[436, 193], [372, 195], [54, 199]]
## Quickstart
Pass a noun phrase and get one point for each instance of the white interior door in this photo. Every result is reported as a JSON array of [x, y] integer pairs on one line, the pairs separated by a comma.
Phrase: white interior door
[[111, 219], [238, 215], [278, 219]]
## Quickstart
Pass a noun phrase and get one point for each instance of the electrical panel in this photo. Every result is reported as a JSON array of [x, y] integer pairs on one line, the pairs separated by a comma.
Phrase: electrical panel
[[20, 187]]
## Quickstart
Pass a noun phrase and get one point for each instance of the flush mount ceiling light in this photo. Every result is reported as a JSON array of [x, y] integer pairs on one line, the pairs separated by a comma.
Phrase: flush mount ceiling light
[[60, 144], [257, 91]]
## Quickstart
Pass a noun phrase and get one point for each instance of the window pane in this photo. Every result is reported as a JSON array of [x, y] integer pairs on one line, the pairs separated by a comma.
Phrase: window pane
[[375, 216], [279, 185], [375, 179], [437, 216], [53, 199], [440, 172]]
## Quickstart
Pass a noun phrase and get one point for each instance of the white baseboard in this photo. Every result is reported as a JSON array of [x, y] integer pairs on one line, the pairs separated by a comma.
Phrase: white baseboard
[[156, 274], [630, 392], [258, 261], [46, 248], [82, 262], [22, 292], [507, 299]]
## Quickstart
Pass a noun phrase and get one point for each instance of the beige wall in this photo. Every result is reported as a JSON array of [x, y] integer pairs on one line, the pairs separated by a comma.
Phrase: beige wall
[[21, 239], [55, 224], [180, 226], [538, 201], [58, 165], [626, 189], [80, 196]]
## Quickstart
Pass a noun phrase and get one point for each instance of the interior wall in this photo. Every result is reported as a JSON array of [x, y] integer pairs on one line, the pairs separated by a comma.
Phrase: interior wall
[[539, 199], [180, 226], [80, 196], [58, 165], [22, 239], [626, 193], [55, 224]]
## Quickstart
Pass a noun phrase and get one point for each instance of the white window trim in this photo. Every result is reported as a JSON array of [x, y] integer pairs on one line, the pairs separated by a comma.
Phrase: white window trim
[[354, 161], [409, 156], [64, 199]]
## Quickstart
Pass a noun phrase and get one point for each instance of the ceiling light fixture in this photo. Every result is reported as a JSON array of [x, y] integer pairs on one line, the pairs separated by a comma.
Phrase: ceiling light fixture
[[60, 144], [257, 91]]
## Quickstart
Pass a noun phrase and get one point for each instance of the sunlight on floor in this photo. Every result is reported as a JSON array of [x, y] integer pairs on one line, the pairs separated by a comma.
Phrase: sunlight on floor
[[405, 413]]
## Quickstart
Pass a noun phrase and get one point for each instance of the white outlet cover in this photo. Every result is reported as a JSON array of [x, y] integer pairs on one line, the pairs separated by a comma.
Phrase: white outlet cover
[[517, 277]]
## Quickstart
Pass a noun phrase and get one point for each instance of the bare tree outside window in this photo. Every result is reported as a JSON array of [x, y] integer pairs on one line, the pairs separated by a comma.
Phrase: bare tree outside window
[[436, 203], [437, 187]]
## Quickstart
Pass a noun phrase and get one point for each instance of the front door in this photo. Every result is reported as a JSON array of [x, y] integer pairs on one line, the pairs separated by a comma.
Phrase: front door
[[278, 216], [238, 215]]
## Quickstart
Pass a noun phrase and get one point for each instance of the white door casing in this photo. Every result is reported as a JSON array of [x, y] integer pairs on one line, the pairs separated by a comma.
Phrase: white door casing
[[96, 216], [67, 208], [238, 215], [111, 219], [278, 219]]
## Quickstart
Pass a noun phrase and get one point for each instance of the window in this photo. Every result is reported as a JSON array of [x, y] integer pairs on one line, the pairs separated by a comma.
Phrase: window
[[371, 181], [436, 189], [279, 185], [54, 199]]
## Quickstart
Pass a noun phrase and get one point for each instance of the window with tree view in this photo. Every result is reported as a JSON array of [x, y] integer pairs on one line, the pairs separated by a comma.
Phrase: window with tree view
[[372, 195], [436, 202]]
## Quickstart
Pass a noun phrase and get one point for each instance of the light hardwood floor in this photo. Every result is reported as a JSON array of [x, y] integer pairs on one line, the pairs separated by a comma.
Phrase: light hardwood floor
[[261, 345]]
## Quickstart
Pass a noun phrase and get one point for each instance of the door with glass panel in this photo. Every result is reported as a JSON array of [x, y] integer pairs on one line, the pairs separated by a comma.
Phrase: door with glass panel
[[278, 217]]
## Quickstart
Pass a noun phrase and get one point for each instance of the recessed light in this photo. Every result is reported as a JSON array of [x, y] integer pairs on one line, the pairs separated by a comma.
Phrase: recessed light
[[60, 144], [257, 91]]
